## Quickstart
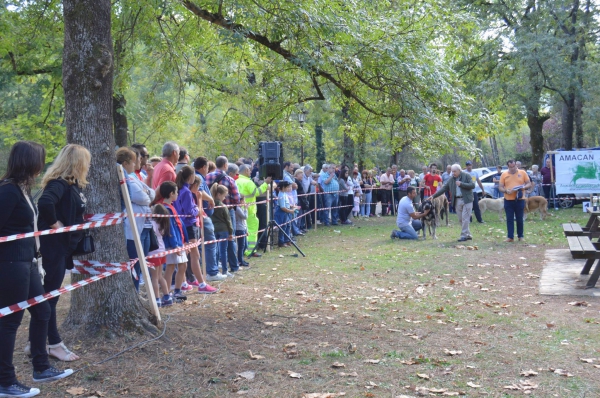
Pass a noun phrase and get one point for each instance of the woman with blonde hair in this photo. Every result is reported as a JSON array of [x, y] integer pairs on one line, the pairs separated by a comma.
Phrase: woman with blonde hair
[[62, 204]]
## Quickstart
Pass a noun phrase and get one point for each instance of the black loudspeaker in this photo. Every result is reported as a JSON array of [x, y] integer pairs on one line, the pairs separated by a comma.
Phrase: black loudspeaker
[[270, 160]]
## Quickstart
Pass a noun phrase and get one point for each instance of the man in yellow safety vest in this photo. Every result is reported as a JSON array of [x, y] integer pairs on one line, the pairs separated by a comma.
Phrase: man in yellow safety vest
[[248, 188]]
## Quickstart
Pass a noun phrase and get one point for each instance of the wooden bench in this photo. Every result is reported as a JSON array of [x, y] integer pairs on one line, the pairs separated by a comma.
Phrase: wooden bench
[[592, 228], [583, 248], [572, 229]]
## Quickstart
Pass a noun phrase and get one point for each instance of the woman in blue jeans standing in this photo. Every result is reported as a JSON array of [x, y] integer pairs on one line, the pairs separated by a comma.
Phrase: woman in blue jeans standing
[[141, 196], [20, 277]]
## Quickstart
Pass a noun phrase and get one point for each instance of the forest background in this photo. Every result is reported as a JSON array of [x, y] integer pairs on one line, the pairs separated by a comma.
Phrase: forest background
[[373, 82]]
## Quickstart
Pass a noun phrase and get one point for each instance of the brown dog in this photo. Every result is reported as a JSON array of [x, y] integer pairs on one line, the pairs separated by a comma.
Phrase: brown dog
[[534, 203], [441, 206]]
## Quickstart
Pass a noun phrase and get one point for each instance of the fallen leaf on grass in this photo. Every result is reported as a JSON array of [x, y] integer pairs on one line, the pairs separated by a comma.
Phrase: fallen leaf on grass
[[473, 385], [409, 362], [338, 365], [254, 356], [587, 360], [373, 361], [249, 375], [273, 323], [451, 393], [451, 352], [324, 395], [562, 372], [437, 390], [291, 345], [529, 373], [580, 303], [423, 376], [353, 374], [294, 375], [76, 390]]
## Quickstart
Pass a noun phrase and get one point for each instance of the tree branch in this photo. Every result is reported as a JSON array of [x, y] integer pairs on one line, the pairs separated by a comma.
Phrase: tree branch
[[32, 72], [221, 21], [319, 97]]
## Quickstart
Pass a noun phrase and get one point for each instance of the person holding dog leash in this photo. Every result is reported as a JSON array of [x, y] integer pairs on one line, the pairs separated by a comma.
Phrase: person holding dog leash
[[461, 186]]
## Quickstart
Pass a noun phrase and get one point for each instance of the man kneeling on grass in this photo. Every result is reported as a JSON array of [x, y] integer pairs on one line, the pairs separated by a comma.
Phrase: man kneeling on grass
[[408, 219]]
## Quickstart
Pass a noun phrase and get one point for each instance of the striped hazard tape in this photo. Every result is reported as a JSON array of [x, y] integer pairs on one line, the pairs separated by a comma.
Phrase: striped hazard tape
[[55, 293]]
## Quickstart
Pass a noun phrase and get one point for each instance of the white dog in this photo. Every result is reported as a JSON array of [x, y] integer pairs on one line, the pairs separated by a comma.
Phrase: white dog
[[496, 205]]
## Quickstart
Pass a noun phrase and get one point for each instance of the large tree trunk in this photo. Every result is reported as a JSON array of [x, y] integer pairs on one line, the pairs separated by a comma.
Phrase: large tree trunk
[[536, 139], [567, 122], [320, 149], [120, 120], [348, 159], [578, 117], [110, 305]]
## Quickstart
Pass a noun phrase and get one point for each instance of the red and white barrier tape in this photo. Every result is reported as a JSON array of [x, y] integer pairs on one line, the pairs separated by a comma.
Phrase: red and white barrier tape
[[77, 227], [55, 293]]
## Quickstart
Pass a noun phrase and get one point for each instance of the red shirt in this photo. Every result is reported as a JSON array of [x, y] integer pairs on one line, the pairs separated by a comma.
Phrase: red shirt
[[164, 171], [432, 182]]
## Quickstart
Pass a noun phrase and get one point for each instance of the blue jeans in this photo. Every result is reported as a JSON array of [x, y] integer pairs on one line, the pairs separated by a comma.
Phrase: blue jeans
[[514, 209], [409, 231], [210, 250], [330, 200], [223, 249], [132, 253], [281, 218], [232, 245], [242, 244], [496, 192], [365, 208]]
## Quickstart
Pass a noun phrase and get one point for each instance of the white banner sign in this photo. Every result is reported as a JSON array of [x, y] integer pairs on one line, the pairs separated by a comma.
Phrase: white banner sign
[[577, 172]]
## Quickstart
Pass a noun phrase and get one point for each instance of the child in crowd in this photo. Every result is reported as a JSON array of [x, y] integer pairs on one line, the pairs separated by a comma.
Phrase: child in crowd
[[174, 240], [187, 206], [222, 224], [356, 208], [241, 214], [161, 226], [283, 213]]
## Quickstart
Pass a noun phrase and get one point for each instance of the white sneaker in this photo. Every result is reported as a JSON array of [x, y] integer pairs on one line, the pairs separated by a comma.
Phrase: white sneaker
[[216, 278], [229, 275]]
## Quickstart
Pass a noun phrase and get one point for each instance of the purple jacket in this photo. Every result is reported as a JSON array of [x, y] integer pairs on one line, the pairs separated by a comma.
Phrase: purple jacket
[[185, 205]]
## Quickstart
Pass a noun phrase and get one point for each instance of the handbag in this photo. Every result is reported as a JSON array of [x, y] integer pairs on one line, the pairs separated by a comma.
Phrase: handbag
[[153, 241], [85, 245], [37, 260]]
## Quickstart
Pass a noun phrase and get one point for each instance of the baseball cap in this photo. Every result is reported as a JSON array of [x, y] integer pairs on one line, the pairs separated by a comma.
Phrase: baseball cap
[[468, 163]]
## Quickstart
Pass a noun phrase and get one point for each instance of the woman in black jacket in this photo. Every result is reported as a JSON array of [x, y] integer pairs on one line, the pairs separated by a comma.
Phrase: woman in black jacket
[[62, 204], [19, 274]]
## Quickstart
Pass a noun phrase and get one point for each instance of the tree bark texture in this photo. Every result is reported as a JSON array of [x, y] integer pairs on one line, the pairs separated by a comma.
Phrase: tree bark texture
[[536, 139], [120, 120], [348, 159], [321, 156], [110, 305], [578, 117], [567, 122]]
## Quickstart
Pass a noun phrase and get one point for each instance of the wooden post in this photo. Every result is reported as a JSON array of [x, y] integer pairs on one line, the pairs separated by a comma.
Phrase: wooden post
[[269, 240], [202, 248], [138, 243], [316, 209]]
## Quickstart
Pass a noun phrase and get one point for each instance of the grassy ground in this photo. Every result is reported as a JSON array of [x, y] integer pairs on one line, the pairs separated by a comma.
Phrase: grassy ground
[[370, 317]]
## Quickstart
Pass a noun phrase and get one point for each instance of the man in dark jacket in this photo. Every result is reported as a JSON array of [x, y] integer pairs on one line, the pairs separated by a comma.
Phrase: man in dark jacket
[[461, 186]]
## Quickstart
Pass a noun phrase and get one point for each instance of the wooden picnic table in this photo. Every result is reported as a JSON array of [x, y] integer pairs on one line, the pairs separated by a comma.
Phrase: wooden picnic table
[[591, 229], [582, 245]]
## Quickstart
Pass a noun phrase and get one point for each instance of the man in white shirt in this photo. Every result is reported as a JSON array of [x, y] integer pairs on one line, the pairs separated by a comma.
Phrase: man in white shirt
[[408, 219]]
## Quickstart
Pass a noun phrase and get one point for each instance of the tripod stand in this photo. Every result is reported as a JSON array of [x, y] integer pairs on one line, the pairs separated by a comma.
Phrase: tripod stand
[[269, 232]]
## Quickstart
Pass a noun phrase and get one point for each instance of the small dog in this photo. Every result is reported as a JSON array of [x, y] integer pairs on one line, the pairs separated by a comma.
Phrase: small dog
[[430, 220], [534, 203], [496, 205], [441, 207]]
